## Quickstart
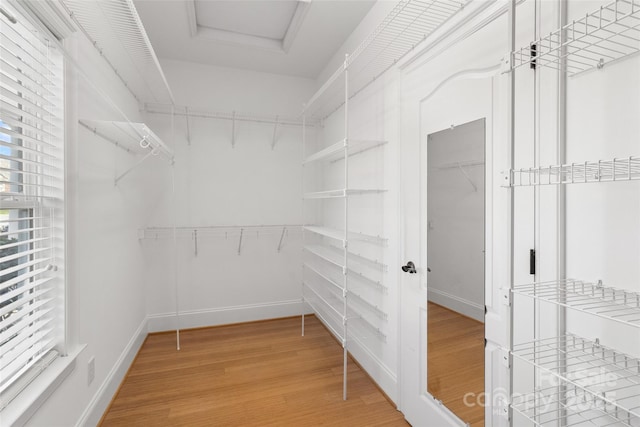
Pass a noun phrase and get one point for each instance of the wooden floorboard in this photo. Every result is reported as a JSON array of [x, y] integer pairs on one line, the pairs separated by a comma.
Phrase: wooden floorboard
[[455, 361], [254, 374]]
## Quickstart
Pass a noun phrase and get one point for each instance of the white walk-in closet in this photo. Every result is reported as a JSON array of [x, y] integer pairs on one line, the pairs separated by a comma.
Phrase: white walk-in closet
[[310, 212]]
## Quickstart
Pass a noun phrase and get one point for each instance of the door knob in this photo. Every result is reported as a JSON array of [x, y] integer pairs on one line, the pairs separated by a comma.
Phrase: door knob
[[409, 268]]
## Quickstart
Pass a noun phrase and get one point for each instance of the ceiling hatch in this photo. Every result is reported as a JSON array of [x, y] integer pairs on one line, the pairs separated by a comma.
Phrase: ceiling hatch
[[271, 25]]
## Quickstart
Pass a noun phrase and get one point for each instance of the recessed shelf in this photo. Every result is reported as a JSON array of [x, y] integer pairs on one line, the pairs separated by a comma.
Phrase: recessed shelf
[[622, 169], [340, 235], [336, 152], [605, 35], [341, 193], [607, 380], [609, 303]]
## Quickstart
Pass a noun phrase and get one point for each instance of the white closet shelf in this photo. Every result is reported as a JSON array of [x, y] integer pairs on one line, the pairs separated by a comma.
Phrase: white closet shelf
[[323, 276], [606, 379], [405, 27], [133, 137], [552, 406], [610, 303], [116, 31], [371, 307], [355, 317], [340, 235], [341, 193], [618, 169], [607, 34], [318, 312], [335, 256], [335, 151]]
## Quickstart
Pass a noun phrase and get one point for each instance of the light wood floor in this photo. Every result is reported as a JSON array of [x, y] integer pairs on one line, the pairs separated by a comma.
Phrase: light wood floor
[[252, 374], [455, 361]]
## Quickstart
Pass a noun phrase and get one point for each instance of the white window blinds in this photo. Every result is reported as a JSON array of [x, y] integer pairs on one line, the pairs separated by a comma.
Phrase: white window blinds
[[31, 199]]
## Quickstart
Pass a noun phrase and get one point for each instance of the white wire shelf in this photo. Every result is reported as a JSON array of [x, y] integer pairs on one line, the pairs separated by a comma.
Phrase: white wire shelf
[[323, 276], [357, 318], [335, 256], [318, 312], [133, 137], [381, 314], [402, 30], [341, 193], [335, 234], [116, 31], [595, 376], [553, 406], [335, 151], [610, 303], [605, 35], [619, 169]]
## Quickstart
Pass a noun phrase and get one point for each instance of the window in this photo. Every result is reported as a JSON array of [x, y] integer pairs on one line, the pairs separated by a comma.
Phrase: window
[[31, 202]]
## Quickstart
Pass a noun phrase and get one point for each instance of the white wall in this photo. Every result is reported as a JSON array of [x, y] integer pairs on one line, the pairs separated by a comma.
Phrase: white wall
[[217, 184], [106, 266]]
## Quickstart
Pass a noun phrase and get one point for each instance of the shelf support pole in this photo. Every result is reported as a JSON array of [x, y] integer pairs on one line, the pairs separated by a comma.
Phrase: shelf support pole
[[346, 226]]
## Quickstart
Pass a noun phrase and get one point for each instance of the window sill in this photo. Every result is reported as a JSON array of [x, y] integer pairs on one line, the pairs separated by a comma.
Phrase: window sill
[[18, 412]]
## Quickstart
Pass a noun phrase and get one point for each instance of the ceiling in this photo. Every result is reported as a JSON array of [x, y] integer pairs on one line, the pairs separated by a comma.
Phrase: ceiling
[[289, 37]]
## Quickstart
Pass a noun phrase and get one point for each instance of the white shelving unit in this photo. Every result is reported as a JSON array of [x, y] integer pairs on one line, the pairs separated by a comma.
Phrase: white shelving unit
[[335, 297], [574, 397], [135, 138], [116, 31]]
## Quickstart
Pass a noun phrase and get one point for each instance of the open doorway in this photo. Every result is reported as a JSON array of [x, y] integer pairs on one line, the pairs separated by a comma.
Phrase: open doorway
[[455, 257]]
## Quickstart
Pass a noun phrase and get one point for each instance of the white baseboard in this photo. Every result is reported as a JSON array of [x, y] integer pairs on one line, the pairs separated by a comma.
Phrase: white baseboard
[[225, 315], [98, 405], [455, 303], [378, 371]]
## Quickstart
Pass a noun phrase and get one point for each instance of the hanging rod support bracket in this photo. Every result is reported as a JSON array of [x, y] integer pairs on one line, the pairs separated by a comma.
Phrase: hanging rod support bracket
[[240, 241], [275, 130], [284, 231], [125, 173]]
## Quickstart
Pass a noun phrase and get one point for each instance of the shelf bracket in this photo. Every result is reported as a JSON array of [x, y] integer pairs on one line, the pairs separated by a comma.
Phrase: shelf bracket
[[233, 130], [152, 152], [466, 175], [240, 241], [186, 118], [284, 231], [275, 130]]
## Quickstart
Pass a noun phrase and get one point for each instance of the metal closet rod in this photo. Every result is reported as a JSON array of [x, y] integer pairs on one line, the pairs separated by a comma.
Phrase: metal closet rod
[[186, 111], [204, 227]]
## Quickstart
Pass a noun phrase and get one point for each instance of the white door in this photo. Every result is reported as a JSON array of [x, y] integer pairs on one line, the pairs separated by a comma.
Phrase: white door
[[476, 94]]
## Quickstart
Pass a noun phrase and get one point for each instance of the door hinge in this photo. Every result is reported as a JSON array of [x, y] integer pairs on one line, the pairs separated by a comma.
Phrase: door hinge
[[505, 296]]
